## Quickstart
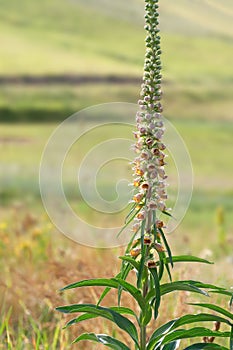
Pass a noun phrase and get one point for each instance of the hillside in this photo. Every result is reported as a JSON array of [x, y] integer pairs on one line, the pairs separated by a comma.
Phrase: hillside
[[104, 36]]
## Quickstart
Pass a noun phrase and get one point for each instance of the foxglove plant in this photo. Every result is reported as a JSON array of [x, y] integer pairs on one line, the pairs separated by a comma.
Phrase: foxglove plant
[[148, 252]]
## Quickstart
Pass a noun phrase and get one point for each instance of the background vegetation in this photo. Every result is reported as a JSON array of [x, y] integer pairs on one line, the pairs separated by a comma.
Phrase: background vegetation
[[45, 46]]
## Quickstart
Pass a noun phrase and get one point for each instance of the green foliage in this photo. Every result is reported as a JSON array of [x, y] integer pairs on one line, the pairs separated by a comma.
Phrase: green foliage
[[150, 255]]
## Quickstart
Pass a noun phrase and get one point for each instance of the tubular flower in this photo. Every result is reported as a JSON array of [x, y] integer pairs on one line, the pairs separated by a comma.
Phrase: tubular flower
[[149, 170]]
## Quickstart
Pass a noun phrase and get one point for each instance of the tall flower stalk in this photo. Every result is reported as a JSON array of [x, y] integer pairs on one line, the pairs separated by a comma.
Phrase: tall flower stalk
[[148, 252]]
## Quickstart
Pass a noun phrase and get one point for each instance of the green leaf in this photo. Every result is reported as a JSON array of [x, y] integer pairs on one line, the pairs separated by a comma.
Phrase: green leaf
[[125, 269], [204, 285], [171, 346], [206, 346], [128, 222], [168, 271], [168, 214], [131, 261], [231, 301], [173, 287], [103, 339], [154, 274], [81, 318], [231, 338], [88, 316], [123, 310], [161, 264], [193, 333], [143, 255], [184, 320], [167, 246], [112, 283], [214, 308], [100, 282], [103, 295], [121, 321], [130, 212], [158, 334], [222, 292], [137, 295], [180, 285], [188, 258], [202, 317], [129, 246]]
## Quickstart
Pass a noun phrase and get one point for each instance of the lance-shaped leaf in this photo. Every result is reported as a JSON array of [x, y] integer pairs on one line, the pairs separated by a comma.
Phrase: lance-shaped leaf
[[158, 334], [125, 269], [193, 333], [167, 246], [143, 257], [188, 258], [87, 316], [214, 308], [180, 285], [95, 282], [112, 283], [84, 317], [231, 338], [204, 285], [206, 346], [121, 321], [173, 287], [184, 320], [104, 339], [171, 346], [131, 261], [155, 276], [137, 295]]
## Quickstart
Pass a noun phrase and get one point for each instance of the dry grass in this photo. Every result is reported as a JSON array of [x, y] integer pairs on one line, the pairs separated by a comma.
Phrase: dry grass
[[35, 262]]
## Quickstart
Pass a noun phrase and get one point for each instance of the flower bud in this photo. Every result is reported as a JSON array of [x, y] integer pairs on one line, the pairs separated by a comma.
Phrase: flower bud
[[141, 215], [151, 264], [147, 240], [138, 197], [139, 172], [159, 224], [159, 247], [145, 186], [135, 252], [136, 227], [152, 205]]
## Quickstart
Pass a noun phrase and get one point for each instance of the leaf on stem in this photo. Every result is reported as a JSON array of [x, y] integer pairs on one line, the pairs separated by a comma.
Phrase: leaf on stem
[[155, 276], [181, 285], [130, 260], [103, 339], [171, 346], [188, 258], [167, 246], [214, 308], [170, 326], [121, 321], [205, 346], [193, 333], [143, 257]]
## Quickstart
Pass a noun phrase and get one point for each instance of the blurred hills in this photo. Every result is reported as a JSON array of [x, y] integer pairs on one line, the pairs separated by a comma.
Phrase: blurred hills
[[103, 36], [59, 56]]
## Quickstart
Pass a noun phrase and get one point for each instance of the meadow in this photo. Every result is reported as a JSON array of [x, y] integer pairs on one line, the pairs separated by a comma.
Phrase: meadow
[[83, 38]]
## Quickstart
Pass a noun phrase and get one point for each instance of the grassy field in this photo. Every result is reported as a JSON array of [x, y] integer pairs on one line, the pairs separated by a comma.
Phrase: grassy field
[[73, 37], [37, 249], [105, 38]]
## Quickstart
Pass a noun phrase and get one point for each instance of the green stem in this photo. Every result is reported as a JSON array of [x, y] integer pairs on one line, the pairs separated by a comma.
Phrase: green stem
[[143, 328], [143, 338]]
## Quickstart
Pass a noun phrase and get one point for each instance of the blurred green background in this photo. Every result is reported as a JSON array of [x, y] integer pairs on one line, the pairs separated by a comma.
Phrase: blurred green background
[[58, 57]]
